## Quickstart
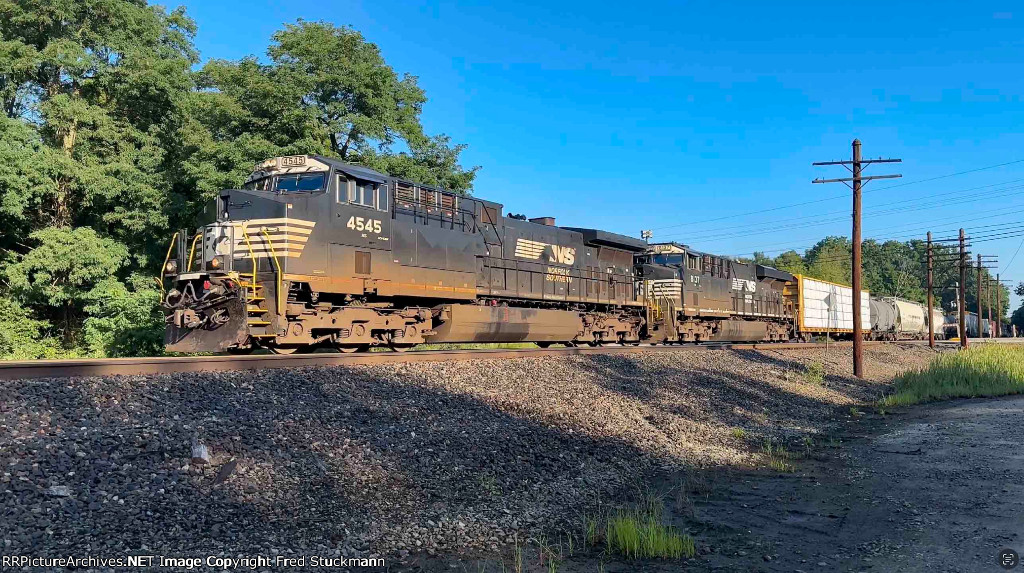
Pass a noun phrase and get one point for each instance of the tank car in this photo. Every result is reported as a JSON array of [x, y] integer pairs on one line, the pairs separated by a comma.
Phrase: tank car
[[883, 319], [313, 252]]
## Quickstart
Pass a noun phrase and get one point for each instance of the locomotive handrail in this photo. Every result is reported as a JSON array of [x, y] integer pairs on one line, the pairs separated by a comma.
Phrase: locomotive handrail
[[277, 270], [192, 251], [163, 267], [252, 255]]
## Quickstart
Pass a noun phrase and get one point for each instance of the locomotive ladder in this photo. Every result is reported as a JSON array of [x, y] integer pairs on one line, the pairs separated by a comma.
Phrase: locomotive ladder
[[255, 301]]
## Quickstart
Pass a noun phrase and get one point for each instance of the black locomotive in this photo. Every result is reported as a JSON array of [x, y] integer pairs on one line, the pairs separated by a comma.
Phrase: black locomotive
[[316, 252], [313, 251]]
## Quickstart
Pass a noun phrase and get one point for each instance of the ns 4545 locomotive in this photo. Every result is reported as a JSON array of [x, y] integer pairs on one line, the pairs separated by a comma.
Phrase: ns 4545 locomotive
[[315, 252]]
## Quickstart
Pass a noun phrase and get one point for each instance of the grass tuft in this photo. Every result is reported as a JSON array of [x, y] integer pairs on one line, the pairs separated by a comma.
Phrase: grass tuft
[[739, 433], [778, 456], [984, 370], [639, 533], [814, 373]]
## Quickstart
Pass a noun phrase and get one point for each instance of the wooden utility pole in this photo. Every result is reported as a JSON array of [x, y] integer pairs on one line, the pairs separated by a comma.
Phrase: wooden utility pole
[[999, 305], [855, 167], [981, 330], [991, 321], [931, 319], [961, 303]]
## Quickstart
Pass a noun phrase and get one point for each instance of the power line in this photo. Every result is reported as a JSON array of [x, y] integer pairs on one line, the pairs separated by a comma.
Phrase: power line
[[801, 204], [918, 226], [997, 193]]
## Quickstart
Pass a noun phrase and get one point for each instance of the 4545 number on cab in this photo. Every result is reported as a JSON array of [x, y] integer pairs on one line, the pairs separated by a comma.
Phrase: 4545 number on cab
[[361, 224]]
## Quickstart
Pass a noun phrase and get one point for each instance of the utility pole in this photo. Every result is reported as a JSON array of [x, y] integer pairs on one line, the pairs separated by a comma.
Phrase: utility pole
[[981, 330], [991, 322], [961, 304], [931, 319], [999, 305], [855, 167]]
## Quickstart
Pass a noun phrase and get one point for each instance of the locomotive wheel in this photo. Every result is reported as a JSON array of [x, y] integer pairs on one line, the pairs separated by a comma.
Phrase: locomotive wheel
[[399, 347], [349, 348], [241, 350], [286, 350], [543, 344]]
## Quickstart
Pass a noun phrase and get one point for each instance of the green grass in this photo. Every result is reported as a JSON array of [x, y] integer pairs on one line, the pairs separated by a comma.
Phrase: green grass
[[739, 433], [638, 533], [778, 456], [984, 370], [814, 373]]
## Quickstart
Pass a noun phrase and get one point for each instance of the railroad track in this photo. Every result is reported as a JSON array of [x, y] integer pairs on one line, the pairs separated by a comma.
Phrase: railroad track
[[16, 370]]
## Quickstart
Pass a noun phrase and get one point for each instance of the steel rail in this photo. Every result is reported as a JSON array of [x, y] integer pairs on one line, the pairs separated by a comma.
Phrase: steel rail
[[17, 370]]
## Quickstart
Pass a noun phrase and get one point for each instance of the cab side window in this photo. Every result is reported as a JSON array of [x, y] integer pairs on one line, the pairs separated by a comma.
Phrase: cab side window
[[357, 192]]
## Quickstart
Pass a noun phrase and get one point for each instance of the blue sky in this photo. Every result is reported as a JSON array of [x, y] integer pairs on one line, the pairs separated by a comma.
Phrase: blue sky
[[681, 117]]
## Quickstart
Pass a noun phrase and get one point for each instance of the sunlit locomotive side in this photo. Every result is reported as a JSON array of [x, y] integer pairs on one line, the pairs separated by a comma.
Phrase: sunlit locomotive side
[[696, 297], [316, 252]]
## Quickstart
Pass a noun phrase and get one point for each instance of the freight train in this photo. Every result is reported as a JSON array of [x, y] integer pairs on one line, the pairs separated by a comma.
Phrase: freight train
[[313, 252]]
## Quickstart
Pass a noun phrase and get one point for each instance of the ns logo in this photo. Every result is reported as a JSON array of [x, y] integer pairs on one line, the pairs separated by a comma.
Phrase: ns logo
[[562, 255], [528, 249]]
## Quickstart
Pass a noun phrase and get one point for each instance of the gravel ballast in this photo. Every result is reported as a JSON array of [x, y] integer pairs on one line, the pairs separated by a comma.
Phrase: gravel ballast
[[395, 460]]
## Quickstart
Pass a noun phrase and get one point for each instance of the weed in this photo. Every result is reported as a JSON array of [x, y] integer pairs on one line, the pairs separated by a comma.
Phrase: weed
[[814, 373], [517, 556], [638, 533], [778, 456], [490, 484], [985, 370], [808, 446], [739, 433], [855, 412]]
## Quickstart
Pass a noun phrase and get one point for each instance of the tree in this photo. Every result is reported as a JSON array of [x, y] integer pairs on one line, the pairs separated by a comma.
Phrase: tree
[[56, 277], [762, 259], [791, 262], [325, 91], [830, 260], [89, 85]]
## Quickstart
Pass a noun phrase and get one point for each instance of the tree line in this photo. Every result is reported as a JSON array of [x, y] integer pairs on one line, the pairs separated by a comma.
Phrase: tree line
[[112, 136], [898, 268]]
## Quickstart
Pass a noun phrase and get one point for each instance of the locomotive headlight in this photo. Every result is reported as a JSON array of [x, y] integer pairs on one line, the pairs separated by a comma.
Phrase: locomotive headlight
[[215, 263], [171, 267]]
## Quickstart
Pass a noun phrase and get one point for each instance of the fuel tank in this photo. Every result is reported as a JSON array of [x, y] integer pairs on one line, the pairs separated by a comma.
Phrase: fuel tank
[[475, 323]]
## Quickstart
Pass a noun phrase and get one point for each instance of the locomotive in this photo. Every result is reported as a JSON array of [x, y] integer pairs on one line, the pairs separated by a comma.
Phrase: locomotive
[[312, 252]]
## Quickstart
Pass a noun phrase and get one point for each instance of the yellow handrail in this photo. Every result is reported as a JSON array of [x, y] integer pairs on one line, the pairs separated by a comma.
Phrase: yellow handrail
[[192, 252], [277, 267], [252, 256], [164, 266]]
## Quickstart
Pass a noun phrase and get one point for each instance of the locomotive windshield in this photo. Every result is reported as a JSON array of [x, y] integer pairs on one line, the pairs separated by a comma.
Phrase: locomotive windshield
[[292, 183], [300, 183], [675, 259]]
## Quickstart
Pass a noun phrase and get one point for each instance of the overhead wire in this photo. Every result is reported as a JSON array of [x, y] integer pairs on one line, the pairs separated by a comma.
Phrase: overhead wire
[[837, 196]]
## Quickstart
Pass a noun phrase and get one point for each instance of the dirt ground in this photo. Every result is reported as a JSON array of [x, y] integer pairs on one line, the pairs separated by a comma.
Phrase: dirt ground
[[933, 488]]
